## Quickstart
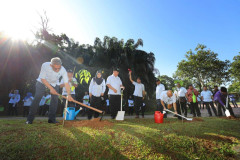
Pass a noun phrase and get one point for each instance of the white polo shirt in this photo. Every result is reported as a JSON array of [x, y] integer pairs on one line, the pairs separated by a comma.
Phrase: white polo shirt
[[181, 92], [51, 76], [96, 89], [64, 91], [139, 88], [166, 99], [207, 96], [159, 89], [116, 83]]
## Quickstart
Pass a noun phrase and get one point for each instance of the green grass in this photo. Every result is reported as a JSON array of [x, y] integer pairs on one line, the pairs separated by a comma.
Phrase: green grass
[[213, 138]]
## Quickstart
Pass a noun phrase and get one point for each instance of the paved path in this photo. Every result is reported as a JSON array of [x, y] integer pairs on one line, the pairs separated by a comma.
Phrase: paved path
[[203, 112]]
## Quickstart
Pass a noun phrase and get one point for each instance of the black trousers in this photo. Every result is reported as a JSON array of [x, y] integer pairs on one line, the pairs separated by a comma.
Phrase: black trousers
[[95, 102], [208, 105], [221, 107], [138, 104], [115, 104], [160, 108], [12, 110], [130, 110], [195, 109], [25, 110], [234, 104], [181, 108]]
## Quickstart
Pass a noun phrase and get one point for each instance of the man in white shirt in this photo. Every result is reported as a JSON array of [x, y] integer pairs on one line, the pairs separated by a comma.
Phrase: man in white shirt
[[114, 84], [139, 93], [207, 98], [167, 97], [49, 77], [180, 94], [159, 89]]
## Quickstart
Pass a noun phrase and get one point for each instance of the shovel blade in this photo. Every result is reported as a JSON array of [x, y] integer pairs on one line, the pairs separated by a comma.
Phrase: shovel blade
[[227, 113], [120, 115], [189, 119]]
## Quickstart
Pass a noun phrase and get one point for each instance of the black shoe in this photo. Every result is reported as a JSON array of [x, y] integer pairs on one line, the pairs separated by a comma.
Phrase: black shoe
[[28, 122]]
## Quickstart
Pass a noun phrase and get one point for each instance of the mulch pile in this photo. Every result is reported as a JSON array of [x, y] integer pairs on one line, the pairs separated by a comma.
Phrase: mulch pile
[[94, 123]]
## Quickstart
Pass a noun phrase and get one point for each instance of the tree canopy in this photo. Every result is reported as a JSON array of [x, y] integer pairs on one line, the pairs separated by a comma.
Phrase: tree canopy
[[203, 67]]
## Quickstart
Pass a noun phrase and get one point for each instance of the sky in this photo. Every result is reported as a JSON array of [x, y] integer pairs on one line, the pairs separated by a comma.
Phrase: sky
[[168, 28]]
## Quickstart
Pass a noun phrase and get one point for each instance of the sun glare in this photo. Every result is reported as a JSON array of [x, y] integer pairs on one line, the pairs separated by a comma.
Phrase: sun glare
[[20, 18]]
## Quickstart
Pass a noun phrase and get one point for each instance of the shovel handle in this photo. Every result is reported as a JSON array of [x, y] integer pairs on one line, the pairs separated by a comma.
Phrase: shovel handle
[[84, 105]]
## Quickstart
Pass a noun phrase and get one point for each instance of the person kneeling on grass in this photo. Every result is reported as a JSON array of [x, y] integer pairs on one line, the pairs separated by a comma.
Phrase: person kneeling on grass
[[96, 91], [167, 97], [49, 77]]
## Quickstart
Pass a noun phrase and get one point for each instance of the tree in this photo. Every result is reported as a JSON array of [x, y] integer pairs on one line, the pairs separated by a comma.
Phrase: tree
[[168, 82], [203, 67], [235, 74], [235, 67]]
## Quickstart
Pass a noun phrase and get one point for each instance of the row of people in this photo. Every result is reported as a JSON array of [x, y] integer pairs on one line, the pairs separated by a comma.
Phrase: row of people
[[52, 71], [181, 97]]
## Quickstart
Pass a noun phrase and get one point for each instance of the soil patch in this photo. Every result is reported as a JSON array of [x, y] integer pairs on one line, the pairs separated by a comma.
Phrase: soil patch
[[231, 117], [195, 120], [94, 123]]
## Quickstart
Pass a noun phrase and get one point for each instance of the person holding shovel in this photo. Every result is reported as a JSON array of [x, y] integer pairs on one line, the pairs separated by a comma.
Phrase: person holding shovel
[[220, 98], [97, 88], [169, 99], [49, 77], [114, 84], [139, 93]]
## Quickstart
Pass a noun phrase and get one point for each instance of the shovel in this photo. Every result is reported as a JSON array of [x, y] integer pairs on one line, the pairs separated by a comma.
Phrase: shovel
[[120, 115], [227, 113], [84, 105], [188, 119], [65, 111]]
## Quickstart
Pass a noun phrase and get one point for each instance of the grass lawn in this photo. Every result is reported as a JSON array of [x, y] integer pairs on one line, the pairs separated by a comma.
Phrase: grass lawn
[[212, 138]]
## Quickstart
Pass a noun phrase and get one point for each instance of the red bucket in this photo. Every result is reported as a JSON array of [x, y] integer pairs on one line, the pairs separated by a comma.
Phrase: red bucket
[[158, 117]]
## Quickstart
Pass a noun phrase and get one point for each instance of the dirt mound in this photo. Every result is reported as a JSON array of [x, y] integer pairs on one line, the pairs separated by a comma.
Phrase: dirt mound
[[94, 123], [195, 120], [231, 117]]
